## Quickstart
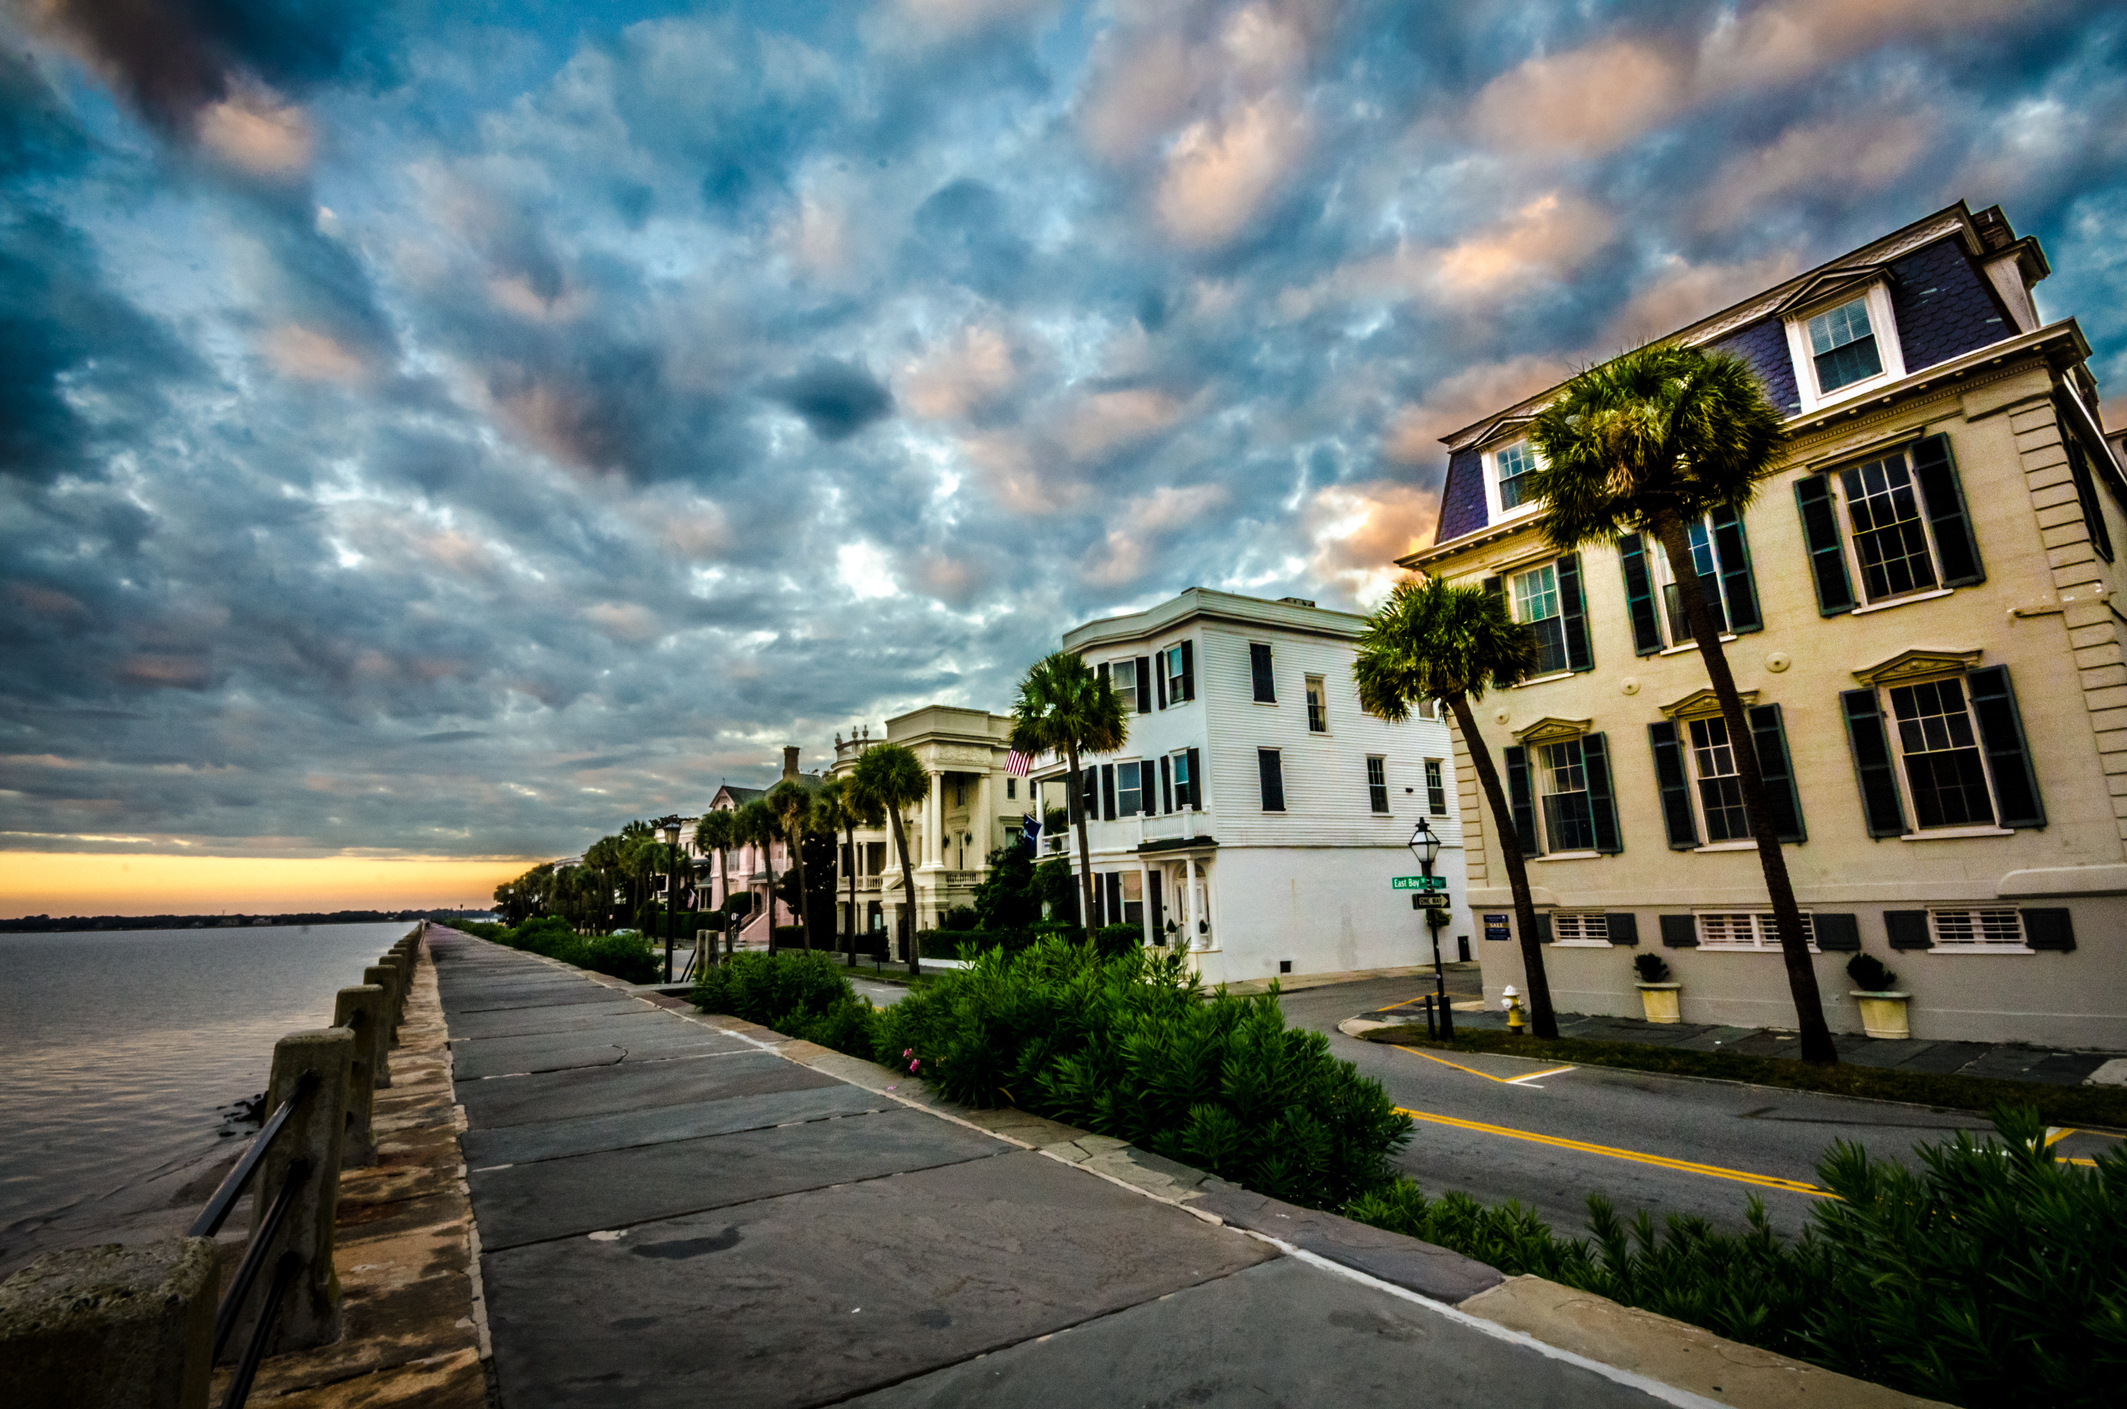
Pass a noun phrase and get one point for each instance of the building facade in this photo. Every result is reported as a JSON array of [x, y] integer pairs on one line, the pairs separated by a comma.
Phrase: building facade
[[1256, 815], [1920, 612], [752, 868]]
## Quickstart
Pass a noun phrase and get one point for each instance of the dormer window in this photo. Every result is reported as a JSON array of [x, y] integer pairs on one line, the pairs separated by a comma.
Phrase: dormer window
[[1515, 463], [1844, 348]]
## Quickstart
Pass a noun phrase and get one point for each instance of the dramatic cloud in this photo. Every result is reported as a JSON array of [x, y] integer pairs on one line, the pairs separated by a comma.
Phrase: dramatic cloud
[[452, 435]]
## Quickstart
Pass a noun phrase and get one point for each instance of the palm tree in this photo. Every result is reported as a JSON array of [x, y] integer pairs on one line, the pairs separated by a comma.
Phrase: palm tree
[[755, 825], [892, 777], [841, 806], [713, 834], [1063, 707], [1654, 441], [792, 804], [1430, 641]]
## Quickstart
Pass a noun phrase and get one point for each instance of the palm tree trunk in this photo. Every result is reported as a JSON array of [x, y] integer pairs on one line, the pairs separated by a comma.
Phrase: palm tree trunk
[[797, 859], [1794, 948], [908, 891], [1076, 803], [1543, 1021], [849, 837], [723, 878]]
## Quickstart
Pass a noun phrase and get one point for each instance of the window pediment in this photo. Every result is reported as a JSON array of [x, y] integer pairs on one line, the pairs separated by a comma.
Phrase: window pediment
[[1916, 664], [1550, 729], [1831, 285], [1703, 702]]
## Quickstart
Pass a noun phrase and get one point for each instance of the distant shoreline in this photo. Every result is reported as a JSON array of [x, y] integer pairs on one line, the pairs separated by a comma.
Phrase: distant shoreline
[[66, 924]]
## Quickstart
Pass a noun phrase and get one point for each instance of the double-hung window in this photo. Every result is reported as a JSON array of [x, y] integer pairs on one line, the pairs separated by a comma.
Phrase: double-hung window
[[1317, 705], [1653, 601], [1559, 788], [1946, 754], [1261, 677], [1377, 783], [1130, 798], [1174, 674], [1713, 767], [1700, 778], [1511, 467], [1124, 677], [1547, 600], [1436, 788], [1270, 769], [1892, 526], [1844, 349], [1179, 786]]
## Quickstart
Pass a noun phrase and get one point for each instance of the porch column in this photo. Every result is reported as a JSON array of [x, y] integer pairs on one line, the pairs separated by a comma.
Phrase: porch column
[[934, 823], [985, 816], [1189, 898]]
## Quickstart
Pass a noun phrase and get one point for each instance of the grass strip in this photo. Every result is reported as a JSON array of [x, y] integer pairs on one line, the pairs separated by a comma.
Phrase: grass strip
[[2057, 1105]]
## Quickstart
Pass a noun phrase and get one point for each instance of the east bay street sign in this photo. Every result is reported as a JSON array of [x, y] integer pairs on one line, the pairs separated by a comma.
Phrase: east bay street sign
[[1418, 883]]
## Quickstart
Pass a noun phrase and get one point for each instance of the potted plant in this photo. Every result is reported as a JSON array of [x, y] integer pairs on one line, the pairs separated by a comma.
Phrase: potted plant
[[1661, 999], [1882, 1009]]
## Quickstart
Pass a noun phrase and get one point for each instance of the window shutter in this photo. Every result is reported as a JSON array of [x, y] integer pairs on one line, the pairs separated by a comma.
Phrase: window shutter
[[2001, 729], [1495, 587], [2085, 488], [1166, 784], [1602, 806], [1144, 696], [1680, 932], [1623, 926], [1836, 934], [1769, 737], [1908, 929], [1102, 671], [2049, 929], [1266, 689], [1543, 927], [1086, 806], [1112, 912], [1524, 806], [1196, 782], [1937, 474], [1160, 677], [1154, 910], [1270, 769], [1188, 671], [1675, 787], [1872, 763], [1639, 595], [1731, 557], [1827, 558], [1573, 614], [1107, 792]]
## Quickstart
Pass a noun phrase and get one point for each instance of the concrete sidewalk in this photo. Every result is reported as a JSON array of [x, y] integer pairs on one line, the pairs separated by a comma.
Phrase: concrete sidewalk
[[675, 1209]]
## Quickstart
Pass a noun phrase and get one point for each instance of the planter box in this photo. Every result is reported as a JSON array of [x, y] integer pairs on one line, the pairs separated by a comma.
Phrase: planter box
[[1663, 1002], [1883, 1014]]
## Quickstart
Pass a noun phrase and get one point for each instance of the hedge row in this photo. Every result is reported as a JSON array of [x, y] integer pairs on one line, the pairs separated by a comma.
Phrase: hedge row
[[625, 954]]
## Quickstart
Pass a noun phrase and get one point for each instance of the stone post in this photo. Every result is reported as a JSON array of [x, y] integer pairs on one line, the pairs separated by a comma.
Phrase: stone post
[[315, 1133], [361, 1011], [110, 1327], [382, 977], [401, 972]]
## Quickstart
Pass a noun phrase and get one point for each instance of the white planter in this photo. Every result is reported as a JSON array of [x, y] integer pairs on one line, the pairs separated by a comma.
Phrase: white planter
[[1883, 1014], [1663, 1002]]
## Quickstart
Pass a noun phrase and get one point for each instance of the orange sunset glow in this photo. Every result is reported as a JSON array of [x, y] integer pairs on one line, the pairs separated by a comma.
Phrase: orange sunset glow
[[91, 883]]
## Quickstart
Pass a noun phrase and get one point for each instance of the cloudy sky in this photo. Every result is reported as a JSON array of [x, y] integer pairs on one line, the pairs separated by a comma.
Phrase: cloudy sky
[[452, 429]]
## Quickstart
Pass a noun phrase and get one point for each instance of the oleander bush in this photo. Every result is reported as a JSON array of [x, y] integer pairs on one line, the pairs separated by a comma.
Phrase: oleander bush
[[1994, 1274], [1132, 1047]]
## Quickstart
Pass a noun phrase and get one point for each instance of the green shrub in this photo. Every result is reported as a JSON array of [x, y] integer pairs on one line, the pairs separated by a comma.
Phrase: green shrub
[[1992, 1275], [624, 954], [797, 994], [1652, 968], [959, 917], [1112, 940], [1131, 1047]]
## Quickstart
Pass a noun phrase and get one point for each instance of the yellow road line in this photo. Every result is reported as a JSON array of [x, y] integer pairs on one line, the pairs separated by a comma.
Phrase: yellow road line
[[1518, 1080], [1502, 1080], [1405, 1003], [1712, 1171], [2054, 1133]]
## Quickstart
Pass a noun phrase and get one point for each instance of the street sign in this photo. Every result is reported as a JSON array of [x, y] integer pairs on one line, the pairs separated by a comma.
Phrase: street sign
[[1432, 900], [1418, 883]]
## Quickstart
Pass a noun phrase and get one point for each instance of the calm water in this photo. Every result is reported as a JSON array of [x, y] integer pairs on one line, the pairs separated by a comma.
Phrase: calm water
[[117, 1051]]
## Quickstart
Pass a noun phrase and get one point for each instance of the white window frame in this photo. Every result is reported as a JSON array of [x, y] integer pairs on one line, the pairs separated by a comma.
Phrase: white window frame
[[1558, 613], [1540, 768], [1698, 798], [1140, 767], [1767, 934], [1388, 804], [1313, 686], [1843, 520], [1495, 513], [1590, 929], [1660, 580], [1436, 781], [1115, 668], [1895, 737], [1883, 325], [1937, 915]]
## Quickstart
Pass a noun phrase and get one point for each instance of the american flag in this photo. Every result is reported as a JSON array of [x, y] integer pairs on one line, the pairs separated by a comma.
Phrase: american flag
[[1018, 764]]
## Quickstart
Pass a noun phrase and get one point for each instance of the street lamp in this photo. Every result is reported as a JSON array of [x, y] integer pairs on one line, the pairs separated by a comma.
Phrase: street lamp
[[1425, 845], [672, 887]]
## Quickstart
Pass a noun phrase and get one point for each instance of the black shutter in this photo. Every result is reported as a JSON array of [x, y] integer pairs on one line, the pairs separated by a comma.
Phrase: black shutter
[[2085, 488], [1543, 927], [1196, 782], [2049, 929], [1086, 806], [1156, 911], [1774, 764], [1907, 929], [1270, 769], [1266, 688], [1680, 932], [1166, 784], [1573, 614], [1731, 556], [1937, 474], [1524, 806], [1144, 675], [2001, 729], [1107, 792], [1602, 805], [1160, 677], [1872, 763], [1836, 934], [1102, 671], [1112, 912], [1188, 671], [1639, 595], [1675, 787], [1827, 558], [1623, 926], [1495, 587]]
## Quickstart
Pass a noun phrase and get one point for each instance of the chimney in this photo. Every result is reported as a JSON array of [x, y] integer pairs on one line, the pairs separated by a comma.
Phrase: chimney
[[790, 760]]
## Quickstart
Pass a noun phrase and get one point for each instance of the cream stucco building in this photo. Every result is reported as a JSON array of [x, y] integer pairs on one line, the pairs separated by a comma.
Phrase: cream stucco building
[[1922, 611]]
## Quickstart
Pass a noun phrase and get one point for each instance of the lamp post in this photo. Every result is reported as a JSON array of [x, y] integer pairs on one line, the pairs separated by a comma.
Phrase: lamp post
[[1425, 845], [672, 887]]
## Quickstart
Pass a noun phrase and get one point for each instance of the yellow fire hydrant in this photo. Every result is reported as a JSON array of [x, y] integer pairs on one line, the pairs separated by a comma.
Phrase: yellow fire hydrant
[[1517, 1022]]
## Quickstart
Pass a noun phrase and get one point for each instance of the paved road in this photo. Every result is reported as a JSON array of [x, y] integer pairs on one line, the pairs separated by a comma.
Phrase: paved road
[[1776, 1136]]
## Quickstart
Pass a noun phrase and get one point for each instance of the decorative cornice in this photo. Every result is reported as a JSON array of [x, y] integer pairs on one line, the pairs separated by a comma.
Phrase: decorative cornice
[[1702, 702], [1913, 664], [1550, 728]]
